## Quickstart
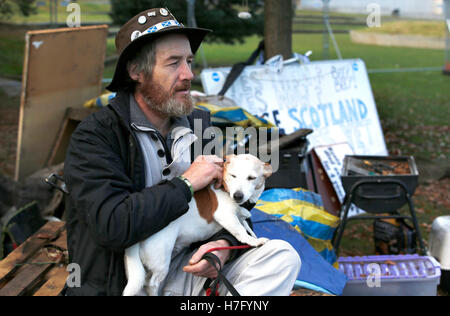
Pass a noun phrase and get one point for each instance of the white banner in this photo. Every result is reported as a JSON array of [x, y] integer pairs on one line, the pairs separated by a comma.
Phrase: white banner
[[333, 98]]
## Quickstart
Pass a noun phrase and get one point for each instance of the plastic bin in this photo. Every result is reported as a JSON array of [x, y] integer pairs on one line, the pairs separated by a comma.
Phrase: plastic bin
[[403, 275], [439, 246]]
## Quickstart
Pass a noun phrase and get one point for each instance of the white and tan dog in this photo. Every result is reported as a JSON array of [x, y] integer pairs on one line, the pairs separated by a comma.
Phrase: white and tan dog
[[210, 211]]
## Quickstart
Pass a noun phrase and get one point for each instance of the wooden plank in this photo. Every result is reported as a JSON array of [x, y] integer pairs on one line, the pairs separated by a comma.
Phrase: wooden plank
[[70, 122], [61, 242], [41, 267], [23, 281], [62, 68], [48, 232], [62, 140], [318, 181], [55, 283]]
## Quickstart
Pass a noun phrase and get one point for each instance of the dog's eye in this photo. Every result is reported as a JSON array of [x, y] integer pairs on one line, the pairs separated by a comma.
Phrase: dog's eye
[[250, 178]]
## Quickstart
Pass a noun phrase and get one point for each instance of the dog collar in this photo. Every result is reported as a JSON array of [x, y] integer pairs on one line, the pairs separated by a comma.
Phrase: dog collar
[[248, 205]]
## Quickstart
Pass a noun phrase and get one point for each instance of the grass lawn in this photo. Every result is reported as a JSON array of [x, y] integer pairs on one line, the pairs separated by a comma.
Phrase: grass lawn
[[426, 28], [12, 43]]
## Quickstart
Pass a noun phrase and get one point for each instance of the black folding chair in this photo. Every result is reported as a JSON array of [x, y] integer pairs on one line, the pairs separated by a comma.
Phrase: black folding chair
[[363, 194]]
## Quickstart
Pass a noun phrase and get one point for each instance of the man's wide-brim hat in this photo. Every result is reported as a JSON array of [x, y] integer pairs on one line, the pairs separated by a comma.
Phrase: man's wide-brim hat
[[145, 27]]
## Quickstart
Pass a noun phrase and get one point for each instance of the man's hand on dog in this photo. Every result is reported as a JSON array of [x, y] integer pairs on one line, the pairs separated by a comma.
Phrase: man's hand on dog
[[203, 171], [202, 268]]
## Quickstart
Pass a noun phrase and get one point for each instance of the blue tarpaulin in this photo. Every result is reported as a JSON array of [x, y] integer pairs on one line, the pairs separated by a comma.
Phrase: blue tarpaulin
[[315, 273]]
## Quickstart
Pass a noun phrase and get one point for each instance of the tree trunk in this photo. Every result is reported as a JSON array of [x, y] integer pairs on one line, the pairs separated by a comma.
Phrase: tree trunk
[[278, 16]]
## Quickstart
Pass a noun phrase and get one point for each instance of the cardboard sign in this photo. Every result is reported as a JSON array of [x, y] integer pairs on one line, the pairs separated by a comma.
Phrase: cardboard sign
[[318, 181], [334, 98], [62, 69], [332, 158]]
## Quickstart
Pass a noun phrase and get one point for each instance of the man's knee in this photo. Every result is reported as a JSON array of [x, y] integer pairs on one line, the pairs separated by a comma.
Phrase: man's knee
[[285, 254]]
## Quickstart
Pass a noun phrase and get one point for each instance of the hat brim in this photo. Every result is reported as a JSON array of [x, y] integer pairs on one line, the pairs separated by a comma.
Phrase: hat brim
[[195, 36]]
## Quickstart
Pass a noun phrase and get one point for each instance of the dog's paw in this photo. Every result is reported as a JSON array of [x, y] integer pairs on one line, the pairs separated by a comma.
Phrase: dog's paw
[[256, 242], [262, 240]]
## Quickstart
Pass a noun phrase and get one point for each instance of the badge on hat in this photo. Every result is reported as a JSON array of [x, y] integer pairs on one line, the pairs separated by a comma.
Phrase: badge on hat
[[142, 19], [164, 12], [136, 34]]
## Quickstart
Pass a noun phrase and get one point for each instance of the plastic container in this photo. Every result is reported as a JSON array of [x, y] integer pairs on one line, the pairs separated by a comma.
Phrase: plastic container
[[403, 275], [439, 247]]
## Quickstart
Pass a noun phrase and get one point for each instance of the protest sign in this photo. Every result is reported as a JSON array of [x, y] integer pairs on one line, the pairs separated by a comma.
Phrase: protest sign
[[333, 98]]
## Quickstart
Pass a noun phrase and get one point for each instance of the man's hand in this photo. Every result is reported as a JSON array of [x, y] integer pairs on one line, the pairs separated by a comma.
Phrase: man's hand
[[202, 268], [203, 171]]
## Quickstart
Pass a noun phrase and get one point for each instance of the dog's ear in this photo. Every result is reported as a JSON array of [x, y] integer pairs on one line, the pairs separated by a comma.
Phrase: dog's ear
[[225, 166], [267, 171], [226, 163]]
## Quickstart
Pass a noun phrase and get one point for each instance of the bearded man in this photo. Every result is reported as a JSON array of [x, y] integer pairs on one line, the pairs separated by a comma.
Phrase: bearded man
[[130, 171]]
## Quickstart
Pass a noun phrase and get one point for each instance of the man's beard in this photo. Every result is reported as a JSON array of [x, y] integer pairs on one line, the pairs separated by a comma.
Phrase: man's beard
[[165, 103]]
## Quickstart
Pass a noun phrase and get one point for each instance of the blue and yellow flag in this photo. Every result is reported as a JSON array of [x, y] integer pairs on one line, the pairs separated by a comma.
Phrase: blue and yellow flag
[[304, 211], [229, 116], [100, 101]]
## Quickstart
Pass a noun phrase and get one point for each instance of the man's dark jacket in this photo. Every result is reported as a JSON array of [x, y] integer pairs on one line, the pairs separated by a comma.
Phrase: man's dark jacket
[[108, 208]]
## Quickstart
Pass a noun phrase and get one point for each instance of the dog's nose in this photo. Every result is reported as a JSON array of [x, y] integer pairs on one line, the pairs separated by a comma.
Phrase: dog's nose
[[238, 196]]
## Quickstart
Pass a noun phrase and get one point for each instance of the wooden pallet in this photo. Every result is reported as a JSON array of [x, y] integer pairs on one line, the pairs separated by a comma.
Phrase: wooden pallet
[[38, 266]]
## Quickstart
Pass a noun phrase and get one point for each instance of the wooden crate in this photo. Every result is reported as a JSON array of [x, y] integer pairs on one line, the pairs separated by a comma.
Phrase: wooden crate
[[38, 266]]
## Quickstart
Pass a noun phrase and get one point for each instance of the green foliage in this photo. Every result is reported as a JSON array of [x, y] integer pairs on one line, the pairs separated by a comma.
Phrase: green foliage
[[6, 9], [219, 16], [27, 7], [425, 28], [9, 7]]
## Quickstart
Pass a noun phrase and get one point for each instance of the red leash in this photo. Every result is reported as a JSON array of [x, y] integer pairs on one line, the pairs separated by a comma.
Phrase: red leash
[[215, 284], [229, 248]]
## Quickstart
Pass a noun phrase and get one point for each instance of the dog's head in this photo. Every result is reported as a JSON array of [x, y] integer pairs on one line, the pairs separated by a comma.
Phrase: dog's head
[[244, 177]]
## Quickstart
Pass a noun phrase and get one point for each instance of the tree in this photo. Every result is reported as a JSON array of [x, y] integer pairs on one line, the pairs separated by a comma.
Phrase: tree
[[221, 16], [25, 7], [278, 28]]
